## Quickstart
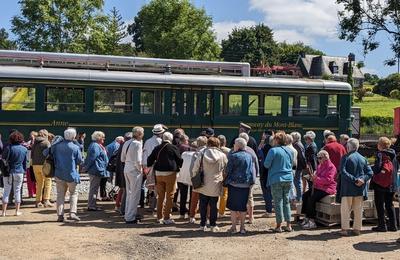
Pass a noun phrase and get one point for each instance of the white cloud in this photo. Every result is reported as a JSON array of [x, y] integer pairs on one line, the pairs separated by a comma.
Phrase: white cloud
[[307, 20], [222, 29], [291, 36]]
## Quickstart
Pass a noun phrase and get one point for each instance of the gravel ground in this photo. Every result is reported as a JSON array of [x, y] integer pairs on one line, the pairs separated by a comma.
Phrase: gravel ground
[[104, 235]]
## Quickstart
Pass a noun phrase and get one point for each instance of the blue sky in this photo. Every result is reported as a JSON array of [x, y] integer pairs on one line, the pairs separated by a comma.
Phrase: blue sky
[[311, 21]]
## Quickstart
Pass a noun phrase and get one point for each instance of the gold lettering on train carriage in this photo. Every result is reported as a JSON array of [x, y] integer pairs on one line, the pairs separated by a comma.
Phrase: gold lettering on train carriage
[[276, 125], [59, 123]]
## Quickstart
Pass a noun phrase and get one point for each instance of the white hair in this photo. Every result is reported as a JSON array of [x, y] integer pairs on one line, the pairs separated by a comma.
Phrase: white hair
[[137, 131], [167, 137], [296, 136], [97, 135], [241, 143], [310, 134], [244, 136], [119, 138], [201, 141], [70, 134], [344, 137], [323, 153], [352, 145], [289, 139]]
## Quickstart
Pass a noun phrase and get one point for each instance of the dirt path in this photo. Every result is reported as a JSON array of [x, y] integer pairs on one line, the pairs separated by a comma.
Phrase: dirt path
[[103, 235]]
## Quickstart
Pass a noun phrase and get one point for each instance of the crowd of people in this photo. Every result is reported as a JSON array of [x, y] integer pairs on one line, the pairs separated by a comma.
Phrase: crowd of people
[[205, 175]]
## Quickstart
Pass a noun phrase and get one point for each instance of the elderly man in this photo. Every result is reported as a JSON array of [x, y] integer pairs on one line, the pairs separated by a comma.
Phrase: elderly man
[[67, 156], [132, 157], [243, 128], [301, 164], [354, 175]]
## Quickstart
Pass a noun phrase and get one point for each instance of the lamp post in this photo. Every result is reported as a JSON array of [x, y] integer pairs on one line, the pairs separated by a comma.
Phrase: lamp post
[[351, 58]]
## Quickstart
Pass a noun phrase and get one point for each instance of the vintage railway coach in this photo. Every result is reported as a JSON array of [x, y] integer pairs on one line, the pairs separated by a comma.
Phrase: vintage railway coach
[[112, 94]]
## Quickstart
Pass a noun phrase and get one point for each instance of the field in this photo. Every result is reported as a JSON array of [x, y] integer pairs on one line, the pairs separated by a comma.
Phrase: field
[[377, 106]]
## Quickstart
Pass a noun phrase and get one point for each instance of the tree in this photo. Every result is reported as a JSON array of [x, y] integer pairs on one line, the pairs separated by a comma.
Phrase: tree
[[371, 78], [60, 25], [115, 32], [366, 19], [5, 42], [255, 45], [174, 29], [386, 85], [289, 53]]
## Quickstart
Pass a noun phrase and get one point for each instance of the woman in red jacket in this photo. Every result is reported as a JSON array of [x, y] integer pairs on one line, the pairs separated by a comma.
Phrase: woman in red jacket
[[324, 185]]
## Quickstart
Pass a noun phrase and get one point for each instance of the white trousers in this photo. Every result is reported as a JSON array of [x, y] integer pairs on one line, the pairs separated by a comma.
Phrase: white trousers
[[133, 181], [62, 187], [347, 205]]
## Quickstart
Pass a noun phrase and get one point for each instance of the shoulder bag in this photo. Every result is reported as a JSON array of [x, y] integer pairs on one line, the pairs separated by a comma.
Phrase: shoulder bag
[[48, 168], [5, 165], [151, 176], [198, 179]]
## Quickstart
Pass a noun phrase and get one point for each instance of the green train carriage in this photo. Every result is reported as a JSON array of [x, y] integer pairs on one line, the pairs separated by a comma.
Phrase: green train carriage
[[113, 94]]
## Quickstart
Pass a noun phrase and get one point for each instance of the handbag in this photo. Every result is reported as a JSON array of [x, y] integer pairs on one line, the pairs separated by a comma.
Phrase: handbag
[[198, 179], [5, 165], [151, 176], [48, 168]]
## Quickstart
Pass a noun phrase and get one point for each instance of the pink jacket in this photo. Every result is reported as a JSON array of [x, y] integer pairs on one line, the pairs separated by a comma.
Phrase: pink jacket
[[325, 177]]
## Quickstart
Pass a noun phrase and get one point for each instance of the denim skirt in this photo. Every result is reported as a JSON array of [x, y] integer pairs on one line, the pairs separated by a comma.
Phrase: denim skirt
[[237, 198]]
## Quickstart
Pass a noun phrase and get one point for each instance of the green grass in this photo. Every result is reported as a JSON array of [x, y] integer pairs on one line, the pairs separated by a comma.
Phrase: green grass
[[377, 106]]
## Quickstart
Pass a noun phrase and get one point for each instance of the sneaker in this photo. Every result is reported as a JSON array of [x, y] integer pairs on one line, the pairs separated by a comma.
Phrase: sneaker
[[215, 229], [39, 205], [73, 216], [192, 220], [379, 229], [310, 225], [205, 229], [305, 221], [168, 222], [18, 213], [160, 221], [48, 204], [60, 219], [243, 231]]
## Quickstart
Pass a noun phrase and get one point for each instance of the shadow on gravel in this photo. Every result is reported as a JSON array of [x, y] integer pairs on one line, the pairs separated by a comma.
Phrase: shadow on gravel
[[199, 233], [377, 246], [316, 237]]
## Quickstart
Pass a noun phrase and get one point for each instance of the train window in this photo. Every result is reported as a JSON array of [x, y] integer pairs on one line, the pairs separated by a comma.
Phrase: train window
[[173, 103], [332, 100], [304, 105], [18, 98], [253, 105], [231, 104], [272, 105], [147, 102], [112, 100], [152, 102], [196, 105], [185, 103], [65, 99], [208, 104]]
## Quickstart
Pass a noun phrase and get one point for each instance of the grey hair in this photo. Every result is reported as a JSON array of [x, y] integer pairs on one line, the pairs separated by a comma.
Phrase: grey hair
[[43, 133], [323, 153], [128, 136], [310, 134], [119, 138], [344, 137], [241, 143], [97, 135], [289, 139], [137, 131], [222, 140], [167, 137], [201, 141], [70, 134], [352, 145], [245, 136], [296, 136]]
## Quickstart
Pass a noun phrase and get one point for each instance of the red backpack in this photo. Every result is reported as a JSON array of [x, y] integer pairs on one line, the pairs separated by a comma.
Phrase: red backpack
[[385, 177]]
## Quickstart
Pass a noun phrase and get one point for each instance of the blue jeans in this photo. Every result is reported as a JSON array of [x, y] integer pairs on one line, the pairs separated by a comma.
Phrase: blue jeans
[[298, 184], [280, 194], [266, 191]]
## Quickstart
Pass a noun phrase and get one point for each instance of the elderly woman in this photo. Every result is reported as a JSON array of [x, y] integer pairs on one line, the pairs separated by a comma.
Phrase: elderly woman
[[213, 162], [95, 164], [239, 179], [67, 156], [43, 184], [167, 161], [354, 175], [324, 184], [15, 154], [384, 183], [279, 163]]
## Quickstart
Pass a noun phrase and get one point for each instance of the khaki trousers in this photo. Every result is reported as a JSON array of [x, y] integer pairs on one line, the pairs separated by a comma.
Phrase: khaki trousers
[[222, 201], [347, 205], [43, 184], [166, 187]]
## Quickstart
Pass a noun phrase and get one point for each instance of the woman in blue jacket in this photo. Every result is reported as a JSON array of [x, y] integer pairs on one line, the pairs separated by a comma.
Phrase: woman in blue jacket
[[279, 164], [95, 164], [15, 154]]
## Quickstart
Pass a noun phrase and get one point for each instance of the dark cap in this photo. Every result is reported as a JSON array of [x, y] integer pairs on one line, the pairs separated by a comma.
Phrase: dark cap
[[209, 132]]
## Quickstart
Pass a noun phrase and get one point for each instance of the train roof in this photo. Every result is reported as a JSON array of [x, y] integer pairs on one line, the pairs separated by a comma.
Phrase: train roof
[[86, 75]]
